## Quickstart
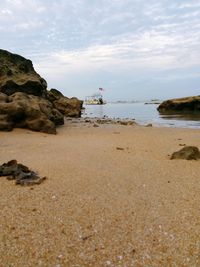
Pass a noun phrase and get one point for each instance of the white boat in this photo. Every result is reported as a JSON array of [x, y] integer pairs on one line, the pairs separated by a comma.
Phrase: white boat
[[95, 99]]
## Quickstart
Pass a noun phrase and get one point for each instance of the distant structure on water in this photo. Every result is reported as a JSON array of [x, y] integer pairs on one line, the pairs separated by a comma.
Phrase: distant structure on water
[[95, 99]]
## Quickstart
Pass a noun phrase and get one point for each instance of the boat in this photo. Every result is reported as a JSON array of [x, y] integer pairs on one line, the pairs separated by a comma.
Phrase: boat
[[95, 99]]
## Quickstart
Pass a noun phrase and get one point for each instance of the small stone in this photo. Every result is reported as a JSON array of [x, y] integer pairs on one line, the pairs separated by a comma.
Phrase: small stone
[[119, 148]]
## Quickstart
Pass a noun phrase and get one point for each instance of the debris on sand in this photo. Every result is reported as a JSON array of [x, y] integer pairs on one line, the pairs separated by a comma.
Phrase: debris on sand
[[119, 148], [20, 173], [188, 152]]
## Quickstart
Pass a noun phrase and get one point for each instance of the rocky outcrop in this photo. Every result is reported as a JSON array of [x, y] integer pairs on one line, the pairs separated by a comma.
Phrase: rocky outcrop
[[25, 101], [18, 75], [188, 152], [21, 110], [187, 104]]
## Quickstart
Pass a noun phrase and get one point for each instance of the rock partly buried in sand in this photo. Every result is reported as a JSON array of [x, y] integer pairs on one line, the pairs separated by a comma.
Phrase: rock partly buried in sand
[[21, 110], [187, 104], [20, 173], [188, 152], [18, 75]]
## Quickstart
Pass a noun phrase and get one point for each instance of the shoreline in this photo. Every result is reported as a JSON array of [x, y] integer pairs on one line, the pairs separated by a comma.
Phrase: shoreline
[[126, 121], [144, 114], [100, 205]]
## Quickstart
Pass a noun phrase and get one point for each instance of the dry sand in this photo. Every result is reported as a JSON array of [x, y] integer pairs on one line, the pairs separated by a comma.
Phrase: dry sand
[[101, 206]]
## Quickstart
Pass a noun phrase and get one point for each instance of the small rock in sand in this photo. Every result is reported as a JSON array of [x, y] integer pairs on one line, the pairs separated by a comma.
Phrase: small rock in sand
[[119, 148], [188, 152], [20, 173]]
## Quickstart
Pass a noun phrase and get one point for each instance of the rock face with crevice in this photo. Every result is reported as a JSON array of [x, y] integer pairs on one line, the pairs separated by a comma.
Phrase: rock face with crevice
[[25, 101]]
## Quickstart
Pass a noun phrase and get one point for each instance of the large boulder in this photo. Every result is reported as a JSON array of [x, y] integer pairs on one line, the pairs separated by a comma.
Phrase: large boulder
[[25, 101], [21, 110], [69, 107], [18, 75], [186, 104]]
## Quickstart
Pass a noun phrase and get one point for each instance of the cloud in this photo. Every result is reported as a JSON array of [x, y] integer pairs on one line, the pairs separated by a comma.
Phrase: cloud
[[148, 50], [192, 4], [126, 38]]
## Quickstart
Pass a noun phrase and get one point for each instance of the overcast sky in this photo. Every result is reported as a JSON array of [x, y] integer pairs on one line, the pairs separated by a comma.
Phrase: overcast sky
[[135, 49]]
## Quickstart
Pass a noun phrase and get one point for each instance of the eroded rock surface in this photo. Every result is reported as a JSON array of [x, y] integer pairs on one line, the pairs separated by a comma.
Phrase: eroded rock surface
[[18, 75], [21, 110], [25, 101], [20, 173], [69, 107]]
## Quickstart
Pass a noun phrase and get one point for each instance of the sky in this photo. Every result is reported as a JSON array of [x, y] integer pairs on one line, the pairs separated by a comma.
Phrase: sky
[[134, 49]]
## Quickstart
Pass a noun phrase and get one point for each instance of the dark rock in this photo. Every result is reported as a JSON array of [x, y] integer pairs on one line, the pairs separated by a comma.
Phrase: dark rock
[[119, 148], [188, 152], [20, 173], [149, 125], [28, 111], [187, 104], [18, 75]]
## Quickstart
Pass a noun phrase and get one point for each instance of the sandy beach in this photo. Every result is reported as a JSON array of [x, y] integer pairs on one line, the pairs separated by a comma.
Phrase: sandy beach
[[112, 198]]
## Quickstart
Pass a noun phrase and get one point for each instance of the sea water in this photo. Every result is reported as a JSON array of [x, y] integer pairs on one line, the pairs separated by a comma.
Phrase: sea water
[[142, 113]]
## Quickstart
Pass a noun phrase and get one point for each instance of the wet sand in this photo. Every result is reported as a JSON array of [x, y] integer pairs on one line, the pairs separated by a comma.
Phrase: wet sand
[[101, 206]]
